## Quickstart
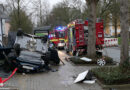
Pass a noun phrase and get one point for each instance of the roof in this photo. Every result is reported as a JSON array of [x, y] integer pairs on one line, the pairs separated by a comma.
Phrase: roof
[[44, 28], [2, 12]]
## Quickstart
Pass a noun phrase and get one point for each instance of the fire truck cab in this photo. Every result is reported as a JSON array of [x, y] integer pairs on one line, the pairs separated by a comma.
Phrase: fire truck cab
[[78, 36], [57, 36]]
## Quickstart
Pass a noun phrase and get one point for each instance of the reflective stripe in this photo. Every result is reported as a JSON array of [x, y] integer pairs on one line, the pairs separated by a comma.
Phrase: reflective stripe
[[54, 40], [61, 39], [66, 40]]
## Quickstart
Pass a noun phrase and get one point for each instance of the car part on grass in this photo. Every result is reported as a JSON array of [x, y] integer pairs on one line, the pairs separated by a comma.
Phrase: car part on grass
[[101, 62], [86, 59]]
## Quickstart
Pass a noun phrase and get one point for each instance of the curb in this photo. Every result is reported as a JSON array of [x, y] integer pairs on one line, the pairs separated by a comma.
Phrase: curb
[[112, 86], [9, 88]]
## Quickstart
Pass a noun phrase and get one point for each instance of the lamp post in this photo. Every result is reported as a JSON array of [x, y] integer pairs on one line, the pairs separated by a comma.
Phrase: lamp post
[[1, 32]]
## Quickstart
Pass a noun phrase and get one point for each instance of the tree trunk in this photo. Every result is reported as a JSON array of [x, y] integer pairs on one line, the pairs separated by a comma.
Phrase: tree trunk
[[19, 22], [115, 25], [91, 51], [124, 31]]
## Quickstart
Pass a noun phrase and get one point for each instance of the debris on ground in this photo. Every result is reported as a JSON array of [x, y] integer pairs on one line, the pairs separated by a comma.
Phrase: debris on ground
[[81, 77], [89, 81], [85, 77], [86, 59]]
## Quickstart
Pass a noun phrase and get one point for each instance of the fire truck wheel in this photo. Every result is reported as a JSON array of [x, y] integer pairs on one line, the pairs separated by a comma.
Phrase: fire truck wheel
[[73, 53], [66, 49], [77, 53]]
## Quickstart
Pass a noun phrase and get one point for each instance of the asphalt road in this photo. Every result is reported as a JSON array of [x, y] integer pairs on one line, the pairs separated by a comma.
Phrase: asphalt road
[[113, 52], [62, 79]]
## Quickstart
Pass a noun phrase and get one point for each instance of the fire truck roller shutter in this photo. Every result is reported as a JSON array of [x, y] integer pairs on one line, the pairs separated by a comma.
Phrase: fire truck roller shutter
[[74, 37], [74, 42], [70, 39], [85, 34]]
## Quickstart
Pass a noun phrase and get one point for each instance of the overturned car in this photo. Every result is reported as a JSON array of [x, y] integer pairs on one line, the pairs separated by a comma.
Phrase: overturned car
[[30, 53]]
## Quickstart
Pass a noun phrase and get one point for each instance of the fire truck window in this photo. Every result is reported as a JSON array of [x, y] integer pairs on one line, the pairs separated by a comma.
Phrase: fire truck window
[[85, 28], [73, 32], [61, 34], [52, 35], [74, 37], [99, 34]]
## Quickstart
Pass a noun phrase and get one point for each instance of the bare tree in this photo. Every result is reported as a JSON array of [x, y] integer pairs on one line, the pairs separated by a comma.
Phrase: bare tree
[[115, 15], [124, 18], [64, 12], [41, 9], [18, 15], [91, 26], [16, 5]]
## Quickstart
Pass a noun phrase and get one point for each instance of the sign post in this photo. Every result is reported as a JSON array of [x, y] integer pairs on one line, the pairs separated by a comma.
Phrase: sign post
[[0, 31]]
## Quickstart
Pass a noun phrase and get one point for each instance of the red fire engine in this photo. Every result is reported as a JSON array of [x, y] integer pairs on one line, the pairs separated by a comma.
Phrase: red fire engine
[[58, 37], [78, 35]]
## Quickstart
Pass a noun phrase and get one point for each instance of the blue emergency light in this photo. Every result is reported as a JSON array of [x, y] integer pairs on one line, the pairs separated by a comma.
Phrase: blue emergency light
[[60, 28]]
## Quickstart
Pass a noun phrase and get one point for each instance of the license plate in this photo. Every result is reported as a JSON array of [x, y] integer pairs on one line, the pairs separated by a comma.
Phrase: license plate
[[27, 67]]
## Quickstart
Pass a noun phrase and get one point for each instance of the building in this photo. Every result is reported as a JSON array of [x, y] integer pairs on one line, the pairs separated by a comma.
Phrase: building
[[4, 24], [110, 29]]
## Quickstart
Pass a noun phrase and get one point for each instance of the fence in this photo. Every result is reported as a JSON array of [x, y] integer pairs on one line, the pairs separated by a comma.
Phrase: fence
[[109, 42]]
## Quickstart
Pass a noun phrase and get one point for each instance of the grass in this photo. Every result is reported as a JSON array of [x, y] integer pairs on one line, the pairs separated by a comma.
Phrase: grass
[[119, 41], [112, 75]]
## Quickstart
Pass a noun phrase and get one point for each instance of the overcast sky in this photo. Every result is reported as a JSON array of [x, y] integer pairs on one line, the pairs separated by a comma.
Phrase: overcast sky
[[52, 2]]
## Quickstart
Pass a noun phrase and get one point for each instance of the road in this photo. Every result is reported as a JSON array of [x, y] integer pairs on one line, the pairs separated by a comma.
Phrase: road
[[61, 80], [113, 52]]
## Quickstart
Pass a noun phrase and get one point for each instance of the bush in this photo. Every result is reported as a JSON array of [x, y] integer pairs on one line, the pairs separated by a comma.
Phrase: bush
[[112, 75], [77, 60], [108, 59]]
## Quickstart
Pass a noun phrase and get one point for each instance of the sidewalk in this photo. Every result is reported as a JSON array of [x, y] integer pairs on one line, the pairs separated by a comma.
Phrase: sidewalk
[[61, 80]]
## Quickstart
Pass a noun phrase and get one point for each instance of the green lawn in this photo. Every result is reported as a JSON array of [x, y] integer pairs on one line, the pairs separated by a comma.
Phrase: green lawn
[[119, 41], [112, 75]]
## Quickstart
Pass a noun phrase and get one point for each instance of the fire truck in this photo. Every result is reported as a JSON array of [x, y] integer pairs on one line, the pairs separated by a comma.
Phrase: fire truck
[[77, 33], [58, 37]]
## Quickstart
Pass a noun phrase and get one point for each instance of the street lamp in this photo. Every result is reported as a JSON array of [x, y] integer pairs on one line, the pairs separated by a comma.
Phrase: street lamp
[[1, 32]]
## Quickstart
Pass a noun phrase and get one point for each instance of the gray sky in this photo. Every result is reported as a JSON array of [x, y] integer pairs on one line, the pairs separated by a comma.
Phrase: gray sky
[[52, 2]]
